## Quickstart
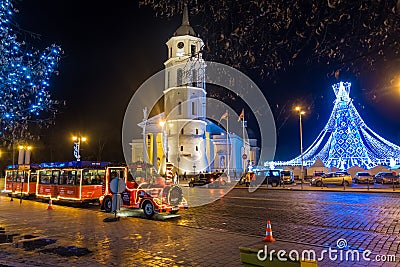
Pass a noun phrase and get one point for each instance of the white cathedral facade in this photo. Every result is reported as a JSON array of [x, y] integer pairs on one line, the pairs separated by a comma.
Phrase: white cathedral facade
[[182, 135]]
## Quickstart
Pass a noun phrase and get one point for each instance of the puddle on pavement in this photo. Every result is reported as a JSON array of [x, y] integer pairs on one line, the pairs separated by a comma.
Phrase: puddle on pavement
[[6, 238], [67, 251], [31, 242], [37, 243]]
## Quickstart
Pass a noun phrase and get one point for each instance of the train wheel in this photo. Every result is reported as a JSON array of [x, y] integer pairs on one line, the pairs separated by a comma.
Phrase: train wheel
[[148, 209], [107, 204]]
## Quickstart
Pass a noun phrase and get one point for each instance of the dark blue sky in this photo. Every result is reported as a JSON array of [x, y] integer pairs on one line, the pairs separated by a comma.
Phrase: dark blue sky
[[112, 47]]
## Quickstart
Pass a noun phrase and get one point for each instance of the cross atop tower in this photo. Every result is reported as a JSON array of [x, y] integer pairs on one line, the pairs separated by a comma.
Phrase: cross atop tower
[[185, 28]]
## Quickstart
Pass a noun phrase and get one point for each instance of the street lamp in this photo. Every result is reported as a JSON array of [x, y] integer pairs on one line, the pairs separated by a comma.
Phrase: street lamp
[[301, 112], [24, 155], [77, 144]]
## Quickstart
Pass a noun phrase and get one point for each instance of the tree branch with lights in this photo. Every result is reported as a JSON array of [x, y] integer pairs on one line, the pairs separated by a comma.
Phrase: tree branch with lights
[[25, 74], [271, 36]]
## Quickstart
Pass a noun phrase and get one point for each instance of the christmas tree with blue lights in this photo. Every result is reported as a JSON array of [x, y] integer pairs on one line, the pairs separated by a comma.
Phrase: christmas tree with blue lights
[[346, 140], [24, 80]]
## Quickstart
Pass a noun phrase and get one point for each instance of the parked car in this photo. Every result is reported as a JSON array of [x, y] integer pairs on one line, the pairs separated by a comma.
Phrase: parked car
[[318, 174], [343, 172], [386, 178], [210, 179], [287, 177], [363, 178], [272, 177], [332, 178]]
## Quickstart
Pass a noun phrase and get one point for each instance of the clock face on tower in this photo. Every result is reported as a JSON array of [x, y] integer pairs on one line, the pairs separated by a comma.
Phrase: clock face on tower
[[181, 45]]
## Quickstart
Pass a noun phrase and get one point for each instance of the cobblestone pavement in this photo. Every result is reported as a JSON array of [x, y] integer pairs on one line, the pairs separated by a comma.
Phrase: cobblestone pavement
[[127, 242], [208, 235], [367, 221]]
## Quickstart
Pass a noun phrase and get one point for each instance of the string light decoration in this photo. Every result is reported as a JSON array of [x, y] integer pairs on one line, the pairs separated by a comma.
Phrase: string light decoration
[[346, 140], [24, 78]]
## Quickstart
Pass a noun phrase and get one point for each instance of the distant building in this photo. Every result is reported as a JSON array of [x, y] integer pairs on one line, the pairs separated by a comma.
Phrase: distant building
[[182, 135]]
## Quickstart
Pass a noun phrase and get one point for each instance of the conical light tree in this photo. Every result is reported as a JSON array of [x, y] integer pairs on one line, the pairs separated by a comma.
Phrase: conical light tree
[[346, 140], [24, 80]]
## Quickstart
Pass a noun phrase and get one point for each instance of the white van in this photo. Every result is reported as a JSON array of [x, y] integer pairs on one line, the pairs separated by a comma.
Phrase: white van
[[287, 177]]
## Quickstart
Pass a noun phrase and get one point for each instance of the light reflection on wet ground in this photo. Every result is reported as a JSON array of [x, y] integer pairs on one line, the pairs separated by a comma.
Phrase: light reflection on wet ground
[[204, 236], [202, 195], [128, 242]]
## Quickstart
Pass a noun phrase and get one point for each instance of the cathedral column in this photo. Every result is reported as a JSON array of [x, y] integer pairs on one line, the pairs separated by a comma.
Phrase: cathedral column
[[155, 150]]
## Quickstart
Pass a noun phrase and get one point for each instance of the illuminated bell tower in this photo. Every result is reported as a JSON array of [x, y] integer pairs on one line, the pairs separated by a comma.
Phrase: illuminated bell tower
[[185, 100]]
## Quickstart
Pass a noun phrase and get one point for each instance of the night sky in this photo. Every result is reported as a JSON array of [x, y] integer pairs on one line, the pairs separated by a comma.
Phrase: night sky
[[110, 48]]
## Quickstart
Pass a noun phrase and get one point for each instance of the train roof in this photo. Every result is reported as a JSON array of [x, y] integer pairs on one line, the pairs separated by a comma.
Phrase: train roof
[[74, 164]]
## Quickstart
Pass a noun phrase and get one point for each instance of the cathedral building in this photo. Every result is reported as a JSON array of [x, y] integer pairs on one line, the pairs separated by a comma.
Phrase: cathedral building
[[182, 135]]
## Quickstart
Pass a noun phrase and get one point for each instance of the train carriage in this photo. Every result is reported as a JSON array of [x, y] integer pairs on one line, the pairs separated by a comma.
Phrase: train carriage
[[21, 180], [76, 181]]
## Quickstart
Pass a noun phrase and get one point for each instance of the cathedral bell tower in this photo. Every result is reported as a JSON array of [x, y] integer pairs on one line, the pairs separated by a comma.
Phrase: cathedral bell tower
[[185, 101]]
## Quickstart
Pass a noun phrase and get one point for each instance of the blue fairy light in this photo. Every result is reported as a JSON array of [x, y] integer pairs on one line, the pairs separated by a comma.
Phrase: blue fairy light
[[25, 76]]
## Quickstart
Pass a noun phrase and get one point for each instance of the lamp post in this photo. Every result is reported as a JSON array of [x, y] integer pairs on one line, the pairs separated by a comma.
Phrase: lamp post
[[24, 159], [77, 144], [301, 112]]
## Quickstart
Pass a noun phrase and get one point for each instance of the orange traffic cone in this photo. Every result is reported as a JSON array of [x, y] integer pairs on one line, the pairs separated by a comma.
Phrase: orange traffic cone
[[268, 233], [50, 206]]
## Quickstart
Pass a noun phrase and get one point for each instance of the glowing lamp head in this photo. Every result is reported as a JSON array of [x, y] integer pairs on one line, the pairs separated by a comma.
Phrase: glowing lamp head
[[84, 139], [29, 148], [74, 138], [298, 108], [20, 147], [302, 112]]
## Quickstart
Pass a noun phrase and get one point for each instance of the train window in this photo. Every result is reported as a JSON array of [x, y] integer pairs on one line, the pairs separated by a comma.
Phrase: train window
[[68, 177], [99, 177], [93, 177], [33, 178], [44, 177], [55, 177], [130, 177]]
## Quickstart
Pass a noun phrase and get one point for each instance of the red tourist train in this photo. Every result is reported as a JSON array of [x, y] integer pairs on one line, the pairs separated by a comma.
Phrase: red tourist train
[[153, 196], [89, 181]]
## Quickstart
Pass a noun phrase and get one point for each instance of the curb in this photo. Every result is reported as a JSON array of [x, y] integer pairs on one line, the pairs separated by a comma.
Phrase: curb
[[249, 258], [325, 189]]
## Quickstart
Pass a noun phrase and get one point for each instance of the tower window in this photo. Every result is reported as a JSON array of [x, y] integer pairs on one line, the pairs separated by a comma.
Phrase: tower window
[[197, 148], [168, 79], [170, 52], [179, 108], [179, 77], [182, 131], [193, 50], [197, 131], [181, 148], [194, 78], [194, 108]]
